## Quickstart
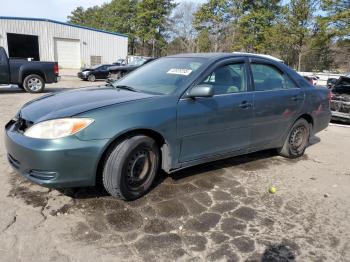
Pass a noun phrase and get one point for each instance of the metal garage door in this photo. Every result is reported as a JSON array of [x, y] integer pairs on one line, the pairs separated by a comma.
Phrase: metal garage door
[[67, 53]]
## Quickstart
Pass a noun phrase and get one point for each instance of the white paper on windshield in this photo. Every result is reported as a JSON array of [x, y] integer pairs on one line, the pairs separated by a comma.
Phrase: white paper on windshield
[[180, 71]]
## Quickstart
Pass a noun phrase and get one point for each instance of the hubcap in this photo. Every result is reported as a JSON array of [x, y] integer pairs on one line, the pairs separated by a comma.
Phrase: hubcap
[[298, 138], [34, 84], [139, 167]]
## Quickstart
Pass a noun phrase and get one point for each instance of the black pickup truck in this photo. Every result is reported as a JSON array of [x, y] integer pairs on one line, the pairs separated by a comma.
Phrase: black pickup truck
[[28, 75]]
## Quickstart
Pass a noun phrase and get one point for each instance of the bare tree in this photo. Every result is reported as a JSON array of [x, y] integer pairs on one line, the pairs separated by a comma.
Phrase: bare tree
[[181, 27]]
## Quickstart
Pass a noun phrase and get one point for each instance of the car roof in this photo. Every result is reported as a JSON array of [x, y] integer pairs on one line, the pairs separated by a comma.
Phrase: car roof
[[215, 56]]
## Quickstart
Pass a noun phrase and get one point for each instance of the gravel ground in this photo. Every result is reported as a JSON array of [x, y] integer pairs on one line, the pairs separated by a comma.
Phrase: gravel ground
[[218, 211]]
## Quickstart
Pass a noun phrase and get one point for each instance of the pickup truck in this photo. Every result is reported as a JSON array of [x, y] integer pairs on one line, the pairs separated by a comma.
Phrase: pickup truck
[[28, 75]]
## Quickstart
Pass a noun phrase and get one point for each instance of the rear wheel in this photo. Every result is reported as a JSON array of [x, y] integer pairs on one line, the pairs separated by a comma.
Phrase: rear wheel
[[34, 84], [297, 140], [131, 167]]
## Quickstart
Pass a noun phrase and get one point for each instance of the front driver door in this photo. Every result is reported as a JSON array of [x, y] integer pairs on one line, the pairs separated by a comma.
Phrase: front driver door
[[104, 72], [218, 124]]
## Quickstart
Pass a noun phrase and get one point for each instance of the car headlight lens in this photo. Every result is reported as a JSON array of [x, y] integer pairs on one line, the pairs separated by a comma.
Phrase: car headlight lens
[[58, 128]]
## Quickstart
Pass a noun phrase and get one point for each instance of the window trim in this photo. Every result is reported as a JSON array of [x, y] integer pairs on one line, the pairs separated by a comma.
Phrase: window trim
[[214, 66], [269, 63]]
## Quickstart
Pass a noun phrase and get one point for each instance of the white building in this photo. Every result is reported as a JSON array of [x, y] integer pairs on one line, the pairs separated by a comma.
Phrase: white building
[[71, 45]]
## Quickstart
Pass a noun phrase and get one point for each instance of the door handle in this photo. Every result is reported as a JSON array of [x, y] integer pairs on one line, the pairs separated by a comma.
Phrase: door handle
[[245, 105]]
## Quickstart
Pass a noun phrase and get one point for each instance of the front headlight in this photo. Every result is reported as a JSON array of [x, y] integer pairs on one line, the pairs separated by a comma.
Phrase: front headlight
[[58, 128]]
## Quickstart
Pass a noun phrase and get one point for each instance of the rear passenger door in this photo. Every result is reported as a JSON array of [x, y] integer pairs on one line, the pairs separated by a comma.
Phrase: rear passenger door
[[277, 101]]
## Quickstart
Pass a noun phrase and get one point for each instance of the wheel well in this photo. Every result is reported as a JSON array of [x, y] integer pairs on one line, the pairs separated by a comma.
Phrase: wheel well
[[147, 132], [308, 118], [33, 73]]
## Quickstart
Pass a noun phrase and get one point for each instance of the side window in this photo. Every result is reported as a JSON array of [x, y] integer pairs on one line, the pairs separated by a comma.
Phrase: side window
[[268, 77], [231, 78]]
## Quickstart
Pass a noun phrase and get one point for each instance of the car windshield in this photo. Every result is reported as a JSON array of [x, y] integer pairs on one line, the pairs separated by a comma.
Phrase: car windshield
[[163, 76], [95, 66], [137, 62]]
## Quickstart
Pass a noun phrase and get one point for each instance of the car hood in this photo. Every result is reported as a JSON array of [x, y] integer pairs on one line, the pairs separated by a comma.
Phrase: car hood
[[70, 103], [86, 69]]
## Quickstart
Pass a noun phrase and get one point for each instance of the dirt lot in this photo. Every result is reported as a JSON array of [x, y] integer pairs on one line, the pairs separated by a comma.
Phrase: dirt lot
[[218, 211]]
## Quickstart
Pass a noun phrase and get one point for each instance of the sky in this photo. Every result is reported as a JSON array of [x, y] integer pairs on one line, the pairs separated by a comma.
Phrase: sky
[[51, 9]]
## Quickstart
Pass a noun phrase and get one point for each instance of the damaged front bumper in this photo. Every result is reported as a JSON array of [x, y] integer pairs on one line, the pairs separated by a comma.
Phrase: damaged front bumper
[[340, 110]]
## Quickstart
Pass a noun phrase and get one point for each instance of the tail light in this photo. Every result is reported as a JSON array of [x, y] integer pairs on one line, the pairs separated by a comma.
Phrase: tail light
[[330, 96], [55, 69]]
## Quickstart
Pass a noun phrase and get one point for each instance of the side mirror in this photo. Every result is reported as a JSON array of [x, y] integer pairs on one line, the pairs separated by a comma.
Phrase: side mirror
[[201, 91]]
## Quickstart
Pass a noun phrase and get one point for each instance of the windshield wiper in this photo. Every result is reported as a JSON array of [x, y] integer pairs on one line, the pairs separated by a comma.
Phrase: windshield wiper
[[126, 88]]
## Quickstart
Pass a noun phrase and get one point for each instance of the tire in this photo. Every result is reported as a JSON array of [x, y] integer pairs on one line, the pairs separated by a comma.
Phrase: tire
[[34, 84], [131, 167], [92, 78], [297, 140]]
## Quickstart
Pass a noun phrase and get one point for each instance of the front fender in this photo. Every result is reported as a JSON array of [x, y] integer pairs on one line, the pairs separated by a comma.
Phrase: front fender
[[157, 114]]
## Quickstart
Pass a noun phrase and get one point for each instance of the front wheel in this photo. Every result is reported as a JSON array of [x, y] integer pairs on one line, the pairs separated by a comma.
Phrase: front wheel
[[92, 78], [34, 84], [131, 167], [297, 140]]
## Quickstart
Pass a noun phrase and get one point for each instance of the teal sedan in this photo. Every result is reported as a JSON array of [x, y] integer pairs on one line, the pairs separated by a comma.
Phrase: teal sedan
[[172, 113]]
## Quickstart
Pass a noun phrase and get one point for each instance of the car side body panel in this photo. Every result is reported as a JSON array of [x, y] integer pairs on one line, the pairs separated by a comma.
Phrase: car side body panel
[[194, 130]]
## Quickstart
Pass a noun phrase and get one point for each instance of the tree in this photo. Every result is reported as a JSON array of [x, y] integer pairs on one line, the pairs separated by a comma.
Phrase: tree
[[120, 17], [212, 20], [144, 21], [203, 41], [337, 17], [182, 31], [151, 23], [299, 21], [78, 16], [254, 22], [91, 17]]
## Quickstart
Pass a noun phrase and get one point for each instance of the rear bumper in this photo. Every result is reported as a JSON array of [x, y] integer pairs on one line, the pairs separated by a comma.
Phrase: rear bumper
[[321, 121], [66, 162], [57, 78]]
